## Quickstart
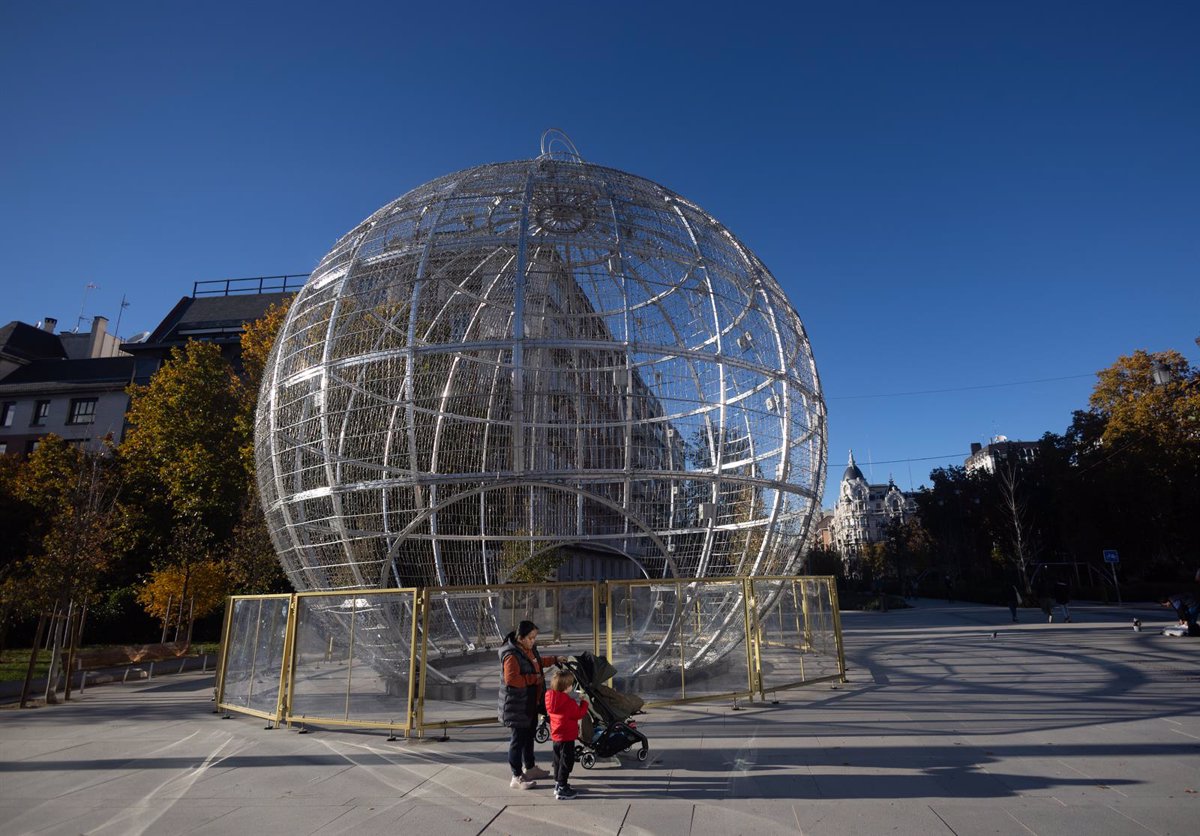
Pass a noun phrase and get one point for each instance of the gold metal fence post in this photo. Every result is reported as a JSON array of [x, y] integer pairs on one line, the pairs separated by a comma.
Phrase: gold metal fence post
[[750, 620], [596, 591], [221, 661], [608, 613], [271, 639], [424, 660], [679, 620], [283, 706], [410, 717], [837, 626], [803, 635], [350, 654]]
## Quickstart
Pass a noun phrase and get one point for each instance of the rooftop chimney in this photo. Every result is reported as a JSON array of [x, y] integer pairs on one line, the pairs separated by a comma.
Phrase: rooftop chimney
[[49, 324], [96, 343], [975, 447]]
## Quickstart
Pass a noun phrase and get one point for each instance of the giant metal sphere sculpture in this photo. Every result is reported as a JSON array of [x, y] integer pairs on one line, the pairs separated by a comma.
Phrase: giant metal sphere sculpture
[[528, 355]]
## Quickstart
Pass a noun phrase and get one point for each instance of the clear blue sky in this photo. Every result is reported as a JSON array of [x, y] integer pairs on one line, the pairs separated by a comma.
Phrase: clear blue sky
[[952, 193]]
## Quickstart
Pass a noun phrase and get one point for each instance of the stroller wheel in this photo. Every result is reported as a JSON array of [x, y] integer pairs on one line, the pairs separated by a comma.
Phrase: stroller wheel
[[578, 752], [542, 734], [588, 760], [643, 753]]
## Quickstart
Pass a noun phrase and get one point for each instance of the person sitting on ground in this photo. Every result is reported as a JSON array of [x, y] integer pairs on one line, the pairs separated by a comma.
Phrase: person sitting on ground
[[1187, 610], [564, 714]]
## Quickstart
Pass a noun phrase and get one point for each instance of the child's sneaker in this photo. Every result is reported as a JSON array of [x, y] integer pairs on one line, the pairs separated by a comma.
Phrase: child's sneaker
[[520, 782], [564, 793]]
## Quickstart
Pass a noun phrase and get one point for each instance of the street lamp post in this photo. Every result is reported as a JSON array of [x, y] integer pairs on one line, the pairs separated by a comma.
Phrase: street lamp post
[[1160, 373]]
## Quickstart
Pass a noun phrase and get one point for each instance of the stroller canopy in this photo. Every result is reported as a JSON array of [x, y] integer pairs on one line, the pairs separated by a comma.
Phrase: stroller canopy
[[591, 671]]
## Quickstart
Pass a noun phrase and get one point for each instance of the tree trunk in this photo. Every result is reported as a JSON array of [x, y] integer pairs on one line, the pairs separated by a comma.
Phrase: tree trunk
[[5, 614], [33, 654], [59, 631], [191, 622], [73, 631], [183, 594], [167, 619]]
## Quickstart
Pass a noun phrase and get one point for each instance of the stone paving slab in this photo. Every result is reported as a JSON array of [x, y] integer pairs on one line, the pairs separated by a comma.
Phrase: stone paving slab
[[1074, 728]]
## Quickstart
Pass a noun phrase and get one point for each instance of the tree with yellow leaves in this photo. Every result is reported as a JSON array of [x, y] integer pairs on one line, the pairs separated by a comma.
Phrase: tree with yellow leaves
[[74, 537]]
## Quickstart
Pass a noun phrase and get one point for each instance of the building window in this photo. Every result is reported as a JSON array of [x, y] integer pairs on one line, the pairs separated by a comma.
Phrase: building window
[[41, 411], [32, 445], [3, 447], [7, 410], [83, 411]]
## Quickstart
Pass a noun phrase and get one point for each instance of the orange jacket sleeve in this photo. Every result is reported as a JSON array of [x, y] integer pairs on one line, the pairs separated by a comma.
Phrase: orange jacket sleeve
[[513, 676]]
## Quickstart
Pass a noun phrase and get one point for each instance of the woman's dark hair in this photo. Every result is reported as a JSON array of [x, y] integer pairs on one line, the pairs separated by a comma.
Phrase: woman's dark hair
[[525, 628]]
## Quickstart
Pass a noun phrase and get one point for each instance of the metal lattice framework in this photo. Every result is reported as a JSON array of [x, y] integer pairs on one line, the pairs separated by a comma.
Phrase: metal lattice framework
[[526, 355]]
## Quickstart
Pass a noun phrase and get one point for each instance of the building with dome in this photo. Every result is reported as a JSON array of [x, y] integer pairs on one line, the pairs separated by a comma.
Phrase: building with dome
[[864, 511]]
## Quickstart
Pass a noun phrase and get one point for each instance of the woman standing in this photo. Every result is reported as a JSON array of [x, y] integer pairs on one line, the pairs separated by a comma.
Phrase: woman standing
[[522, 685]]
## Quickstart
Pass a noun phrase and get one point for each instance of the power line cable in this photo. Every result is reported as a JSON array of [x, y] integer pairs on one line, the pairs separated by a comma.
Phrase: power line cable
[[918, 459], [957, 389]]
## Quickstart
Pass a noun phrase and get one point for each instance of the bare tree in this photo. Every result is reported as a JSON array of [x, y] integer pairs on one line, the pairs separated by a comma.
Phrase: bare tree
[[1022, 538]]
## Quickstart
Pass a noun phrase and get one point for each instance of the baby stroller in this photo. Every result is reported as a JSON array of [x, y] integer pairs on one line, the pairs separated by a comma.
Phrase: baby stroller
[[611, 729]]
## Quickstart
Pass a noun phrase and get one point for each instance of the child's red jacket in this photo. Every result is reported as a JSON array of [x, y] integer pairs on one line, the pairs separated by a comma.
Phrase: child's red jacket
[[564, 714]]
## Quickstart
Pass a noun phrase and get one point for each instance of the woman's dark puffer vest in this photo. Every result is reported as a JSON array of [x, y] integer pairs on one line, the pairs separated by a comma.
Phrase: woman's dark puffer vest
[[517, 707]]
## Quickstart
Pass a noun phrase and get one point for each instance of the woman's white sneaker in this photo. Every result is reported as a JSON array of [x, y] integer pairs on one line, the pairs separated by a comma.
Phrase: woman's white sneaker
[[520, 782]]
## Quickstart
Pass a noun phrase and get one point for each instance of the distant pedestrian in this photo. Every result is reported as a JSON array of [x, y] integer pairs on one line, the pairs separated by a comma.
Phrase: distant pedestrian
[[1062, 597], [1014, 601], [564, 714]]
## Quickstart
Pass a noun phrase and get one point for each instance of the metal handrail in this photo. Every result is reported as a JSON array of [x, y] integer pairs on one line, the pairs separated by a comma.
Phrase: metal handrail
[[287, 283]]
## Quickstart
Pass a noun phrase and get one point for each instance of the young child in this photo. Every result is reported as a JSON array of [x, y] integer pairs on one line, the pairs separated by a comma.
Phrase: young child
[[564, 714]]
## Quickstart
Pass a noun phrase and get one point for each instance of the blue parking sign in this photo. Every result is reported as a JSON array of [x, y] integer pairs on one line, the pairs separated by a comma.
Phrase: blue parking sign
[[1111, 556]]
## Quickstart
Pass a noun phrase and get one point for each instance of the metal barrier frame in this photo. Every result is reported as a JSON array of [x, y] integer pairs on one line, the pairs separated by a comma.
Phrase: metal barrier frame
[[680, 584], [431, 592], [284, 668], [290, 662], [830, 583], [602, 592]]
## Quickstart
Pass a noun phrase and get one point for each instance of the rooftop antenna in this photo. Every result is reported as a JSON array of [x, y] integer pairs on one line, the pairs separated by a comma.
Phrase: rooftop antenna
[[83, 304], [120, 313]]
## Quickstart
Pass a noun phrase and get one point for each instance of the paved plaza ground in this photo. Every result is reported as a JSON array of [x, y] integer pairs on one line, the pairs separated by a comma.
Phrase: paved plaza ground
[[1080, 728]]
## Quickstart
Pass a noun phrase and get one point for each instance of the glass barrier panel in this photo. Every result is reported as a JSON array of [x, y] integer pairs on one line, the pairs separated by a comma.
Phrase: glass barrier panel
[[461, 668], [239, 652], [254, 662], [647, 648], [713, 632], [796, 633], [781, 632], [467, 626], [379, 675], [821, 628], [322, 656]]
